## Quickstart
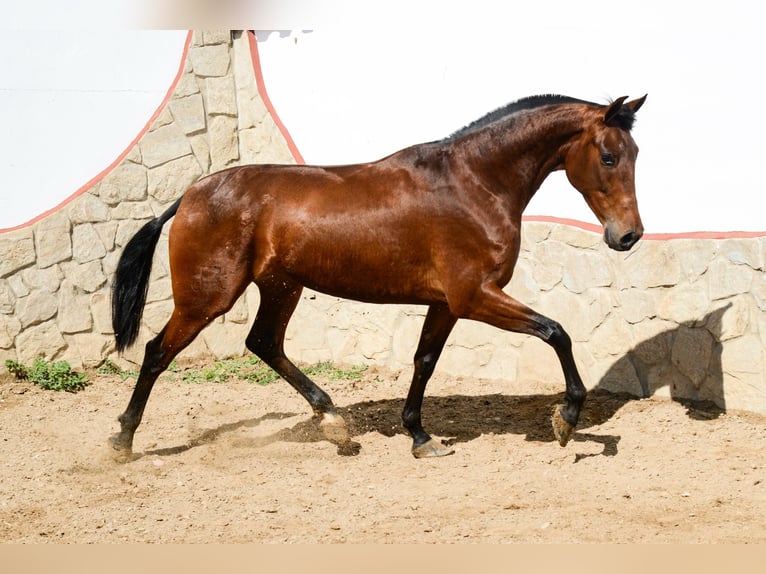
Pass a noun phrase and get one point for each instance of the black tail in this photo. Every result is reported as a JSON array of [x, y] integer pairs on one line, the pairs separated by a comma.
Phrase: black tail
[[131, 279]]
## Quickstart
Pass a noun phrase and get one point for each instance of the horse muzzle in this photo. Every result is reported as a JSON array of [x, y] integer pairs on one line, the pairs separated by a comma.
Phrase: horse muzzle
[[621, 241]]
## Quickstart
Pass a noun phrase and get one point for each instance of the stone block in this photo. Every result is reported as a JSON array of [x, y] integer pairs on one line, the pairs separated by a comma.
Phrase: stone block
[[726, 279], [575, 237], [164, 144], [225, 340], [734, 319], [37, 307], [621, 377], [126, 229], [92, 348], [691, 353], [18, 251], [211, 37], [637, 305], [48, 279], [652, 264], [10, 327], [694, 256], [17, 285], [201, 149], [86, 244], [159, 290], [187, 85], [170, 180], [126, 182], [743, 355], [583, 269], [73, 309], [221, 96], [132, 210], [741, 251], [87, 277], [156, 315], [210, 61], [745, 391], [224, 141], [88, 209], [654, 341], [52, 240], [523, 286], [758, 291], [614, 337], [238, 313], [101, 311], [683, 303], [7, 297], [533, 232], [43, 340], [106, 231], [189, 112], [580, 315]]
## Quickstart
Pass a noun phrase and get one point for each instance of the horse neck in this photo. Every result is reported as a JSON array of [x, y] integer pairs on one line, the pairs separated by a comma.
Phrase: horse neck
[[515, 155]]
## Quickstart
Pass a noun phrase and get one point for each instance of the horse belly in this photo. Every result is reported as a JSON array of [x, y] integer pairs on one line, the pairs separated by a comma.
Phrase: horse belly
[[375, 272]]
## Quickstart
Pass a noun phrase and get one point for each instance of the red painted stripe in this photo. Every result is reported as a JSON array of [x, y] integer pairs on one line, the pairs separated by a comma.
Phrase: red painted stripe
[[592, 227], [259, 82], [101, 175]]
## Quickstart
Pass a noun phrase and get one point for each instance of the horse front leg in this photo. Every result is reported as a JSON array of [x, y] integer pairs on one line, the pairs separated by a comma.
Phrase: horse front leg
[[491, 305], [436, 328]]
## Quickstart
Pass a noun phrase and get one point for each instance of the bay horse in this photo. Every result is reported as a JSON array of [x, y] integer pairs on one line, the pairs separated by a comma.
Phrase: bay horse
[[435, 224]]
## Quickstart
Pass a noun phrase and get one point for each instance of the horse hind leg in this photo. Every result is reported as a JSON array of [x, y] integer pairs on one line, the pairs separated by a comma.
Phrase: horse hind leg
[[266, 340], [160, 351]]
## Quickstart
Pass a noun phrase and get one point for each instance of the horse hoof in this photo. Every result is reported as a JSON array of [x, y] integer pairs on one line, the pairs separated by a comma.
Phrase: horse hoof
[[431, 449], [561, 428], [120, 453], [334, 428]]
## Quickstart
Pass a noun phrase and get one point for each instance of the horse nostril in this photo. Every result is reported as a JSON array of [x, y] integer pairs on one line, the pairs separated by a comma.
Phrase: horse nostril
[[629, 240]]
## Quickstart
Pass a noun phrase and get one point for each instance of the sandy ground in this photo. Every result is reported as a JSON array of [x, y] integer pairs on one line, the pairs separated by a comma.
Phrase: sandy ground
[[238, 462]]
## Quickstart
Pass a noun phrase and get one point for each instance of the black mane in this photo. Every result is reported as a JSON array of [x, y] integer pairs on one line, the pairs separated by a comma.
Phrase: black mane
[[623, 120]]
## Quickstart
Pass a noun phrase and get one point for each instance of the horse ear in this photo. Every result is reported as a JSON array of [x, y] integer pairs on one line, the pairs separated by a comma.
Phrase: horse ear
[[637, 103], [613, 110]]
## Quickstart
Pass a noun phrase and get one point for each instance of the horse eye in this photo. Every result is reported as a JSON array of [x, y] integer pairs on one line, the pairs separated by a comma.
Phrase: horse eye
[[608, 160]]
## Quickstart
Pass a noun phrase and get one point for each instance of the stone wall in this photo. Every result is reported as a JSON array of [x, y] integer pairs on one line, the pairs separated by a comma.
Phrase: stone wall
[[55, 274], [681, 317]]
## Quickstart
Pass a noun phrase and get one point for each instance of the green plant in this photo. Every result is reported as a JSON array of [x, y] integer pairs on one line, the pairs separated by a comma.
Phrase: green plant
[[108, 367], [253, 370], [327, 369], [57, 376]]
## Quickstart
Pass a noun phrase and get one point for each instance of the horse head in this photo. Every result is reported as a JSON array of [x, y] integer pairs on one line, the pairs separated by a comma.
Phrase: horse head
[[600, 163]]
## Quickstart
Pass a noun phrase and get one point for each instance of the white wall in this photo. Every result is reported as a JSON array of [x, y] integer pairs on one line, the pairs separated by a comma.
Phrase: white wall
[[353, 93], [70, 103]]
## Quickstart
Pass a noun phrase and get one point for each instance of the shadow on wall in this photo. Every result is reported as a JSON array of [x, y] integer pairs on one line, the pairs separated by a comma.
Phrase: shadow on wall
[[685, 362]]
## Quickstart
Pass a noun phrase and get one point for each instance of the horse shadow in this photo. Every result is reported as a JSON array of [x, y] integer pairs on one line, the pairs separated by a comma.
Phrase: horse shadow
[[685, 360]]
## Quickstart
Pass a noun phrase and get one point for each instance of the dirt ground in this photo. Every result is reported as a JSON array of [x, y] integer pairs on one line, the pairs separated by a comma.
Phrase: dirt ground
[[238, 462]]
